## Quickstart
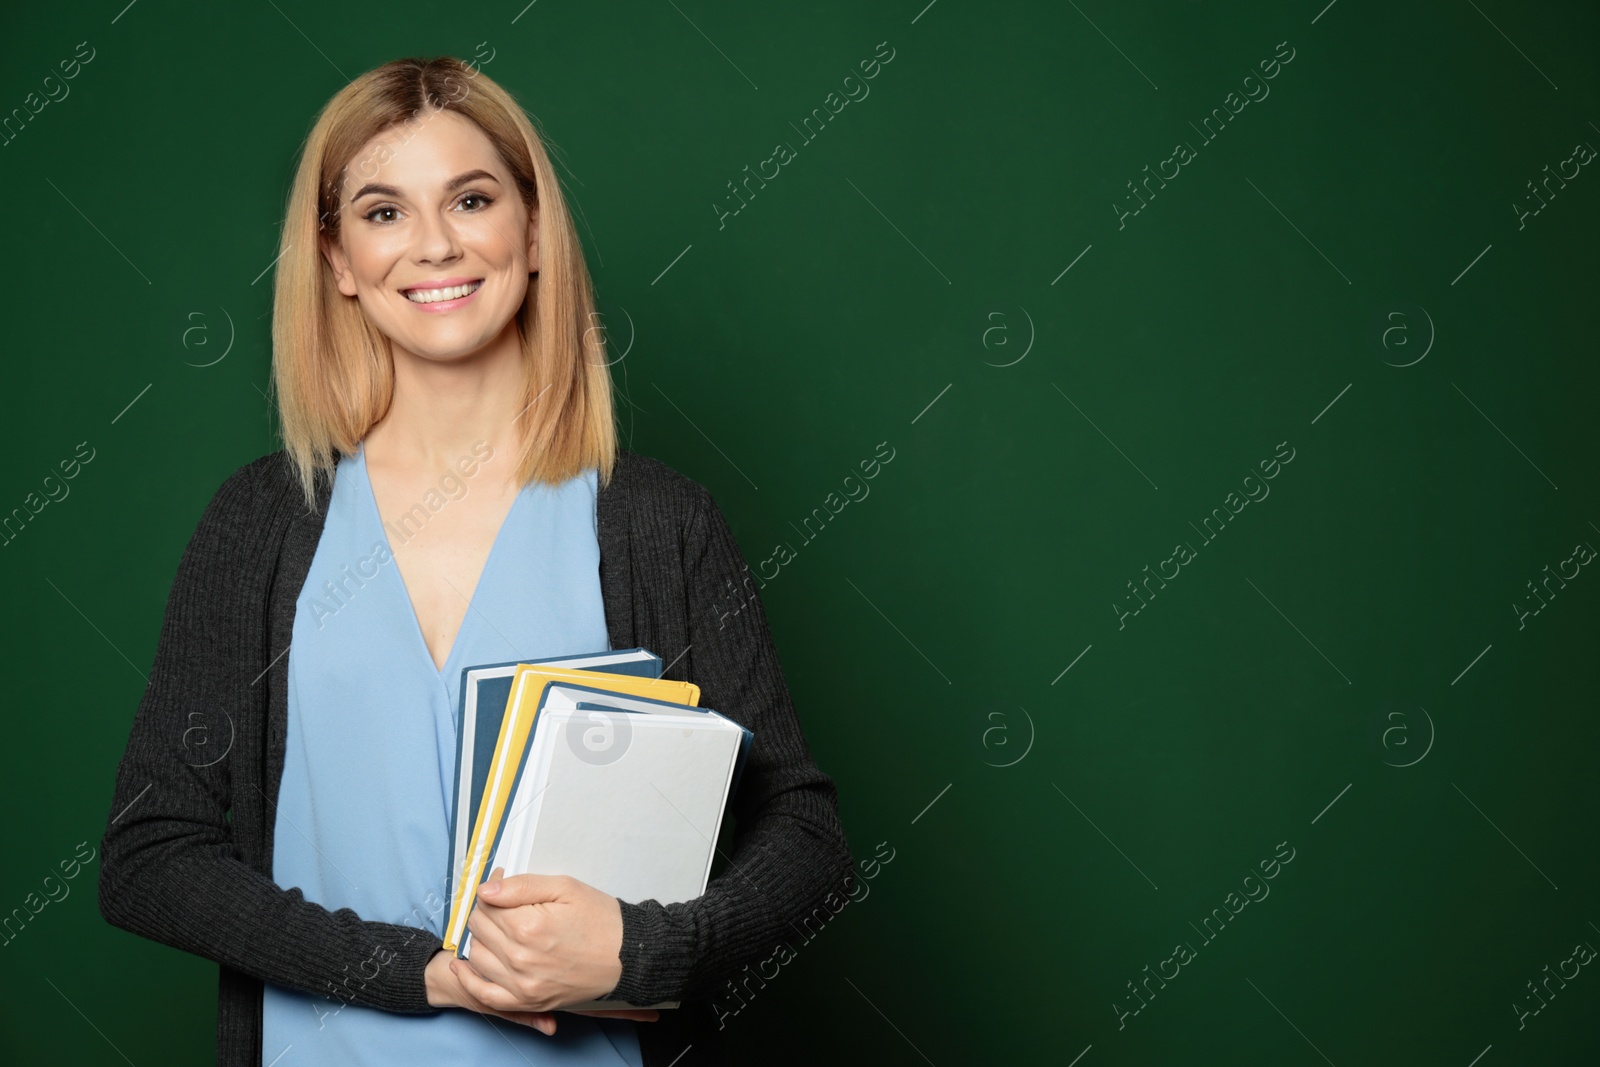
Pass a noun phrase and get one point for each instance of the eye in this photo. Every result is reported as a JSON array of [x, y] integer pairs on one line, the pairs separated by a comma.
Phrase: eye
[[370, 216]]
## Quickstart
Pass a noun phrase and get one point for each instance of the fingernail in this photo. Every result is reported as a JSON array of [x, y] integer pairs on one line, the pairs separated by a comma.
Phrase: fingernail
[[489, 888]]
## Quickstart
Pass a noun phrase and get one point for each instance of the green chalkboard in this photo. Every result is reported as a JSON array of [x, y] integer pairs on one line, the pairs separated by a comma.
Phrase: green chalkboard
[[1209, 668]]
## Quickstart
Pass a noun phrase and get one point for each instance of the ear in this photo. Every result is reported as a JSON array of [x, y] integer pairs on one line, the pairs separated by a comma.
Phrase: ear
[[533, 239], [340, 264]]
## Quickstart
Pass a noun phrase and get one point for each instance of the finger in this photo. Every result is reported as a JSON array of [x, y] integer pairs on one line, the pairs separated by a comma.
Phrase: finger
[[526, 889], [485, 992], [542, 1021], [491, 884], [492, 946], [642, 1015]]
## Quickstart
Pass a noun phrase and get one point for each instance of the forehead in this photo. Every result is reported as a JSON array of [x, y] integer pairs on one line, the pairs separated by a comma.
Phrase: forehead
[[421, 155]]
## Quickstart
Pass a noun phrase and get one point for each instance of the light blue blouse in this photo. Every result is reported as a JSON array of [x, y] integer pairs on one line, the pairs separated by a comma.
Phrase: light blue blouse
[[363, 810]]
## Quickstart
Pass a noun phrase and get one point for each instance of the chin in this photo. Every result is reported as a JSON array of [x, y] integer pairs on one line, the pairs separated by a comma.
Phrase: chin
[[447, 352]]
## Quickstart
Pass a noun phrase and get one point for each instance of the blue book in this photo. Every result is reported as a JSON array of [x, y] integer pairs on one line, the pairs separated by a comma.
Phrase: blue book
[[485, 689]]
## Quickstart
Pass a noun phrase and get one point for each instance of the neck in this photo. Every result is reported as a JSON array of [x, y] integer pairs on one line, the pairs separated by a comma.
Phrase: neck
[[442, 408]]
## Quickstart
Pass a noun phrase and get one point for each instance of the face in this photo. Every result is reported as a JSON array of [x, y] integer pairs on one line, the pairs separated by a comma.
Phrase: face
[[434, 240]]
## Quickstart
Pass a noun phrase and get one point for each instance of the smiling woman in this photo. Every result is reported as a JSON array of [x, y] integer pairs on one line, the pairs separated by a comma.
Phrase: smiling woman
[[454, 188], [436, 300]]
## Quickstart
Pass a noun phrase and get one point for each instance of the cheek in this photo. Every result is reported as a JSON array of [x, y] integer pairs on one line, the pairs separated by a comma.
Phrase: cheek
[[505, 230], [493, 243], [373, 257], [378, 267]]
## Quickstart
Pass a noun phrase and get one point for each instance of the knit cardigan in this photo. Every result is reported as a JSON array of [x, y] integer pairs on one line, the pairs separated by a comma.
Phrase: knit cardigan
[[186, 858]]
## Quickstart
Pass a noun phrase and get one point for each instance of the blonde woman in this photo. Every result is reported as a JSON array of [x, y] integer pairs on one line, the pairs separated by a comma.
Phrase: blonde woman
[[450, 492]]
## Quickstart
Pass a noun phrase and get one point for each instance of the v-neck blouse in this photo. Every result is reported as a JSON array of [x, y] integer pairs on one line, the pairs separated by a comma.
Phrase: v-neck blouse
[[363, 810]]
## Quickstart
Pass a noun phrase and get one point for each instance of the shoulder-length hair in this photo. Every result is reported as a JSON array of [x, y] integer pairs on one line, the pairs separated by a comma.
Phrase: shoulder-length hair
[[333, 369]]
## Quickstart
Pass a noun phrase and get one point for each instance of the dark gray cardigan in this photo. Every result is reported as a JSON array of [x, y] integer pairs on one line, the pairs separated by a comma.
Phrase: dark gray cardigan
[[186, 858]]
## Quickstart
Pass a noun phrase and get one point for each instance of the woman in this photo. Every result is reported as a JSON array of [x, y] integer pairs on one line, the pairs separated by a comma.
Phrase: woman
[[450, 493]]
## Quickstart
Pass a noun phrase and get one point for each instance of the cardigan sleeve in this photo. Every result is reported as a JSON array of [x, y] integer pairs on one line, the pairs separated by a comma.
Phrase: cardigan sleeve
[[170, 869], [789, 859]]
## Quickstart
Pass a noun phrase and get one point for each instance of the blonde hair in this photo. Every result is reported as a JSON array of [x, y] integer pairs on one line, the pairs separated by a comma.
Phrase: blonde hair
[[332, 368]]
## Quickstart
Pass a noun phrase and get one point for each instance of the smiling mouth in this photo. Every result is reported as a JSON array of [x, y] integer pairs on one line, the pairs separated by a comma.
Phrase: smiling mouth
[[434, 296]]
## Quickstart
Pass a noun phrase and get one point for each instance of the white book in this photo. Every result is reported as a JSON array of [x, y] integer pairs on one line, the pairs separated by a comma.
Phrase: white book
[[624, 793], [485, 688]]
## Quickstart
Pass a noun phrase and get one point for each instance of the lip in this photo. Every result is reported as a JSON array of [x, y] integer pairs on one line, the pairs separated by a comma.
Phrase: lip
[[443, 305]]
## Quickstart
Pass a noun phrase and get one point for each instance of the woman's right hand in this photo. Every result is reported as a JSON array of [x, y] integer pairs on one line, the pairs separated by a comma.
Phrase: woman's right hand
[[444, 991]]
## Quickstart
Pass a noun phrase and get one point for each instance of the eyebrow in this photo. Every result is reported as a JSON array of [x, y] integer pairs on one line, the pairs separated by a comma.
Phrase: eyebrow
[[454, 183]]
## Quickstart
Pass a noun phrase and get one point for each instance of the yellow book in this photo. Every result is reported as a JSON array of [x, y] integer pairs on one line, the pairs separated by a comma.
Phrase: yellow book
[[516, 727]]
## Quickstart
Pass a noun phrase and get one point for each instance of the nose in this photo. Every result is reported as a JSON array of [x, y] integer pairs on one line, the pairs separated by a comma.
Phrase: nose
[[437, 241]]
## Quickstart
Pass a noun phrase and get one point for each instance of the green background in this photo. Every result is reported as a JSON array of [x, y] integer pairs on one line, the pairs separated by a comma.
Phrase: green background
[[905, 280]]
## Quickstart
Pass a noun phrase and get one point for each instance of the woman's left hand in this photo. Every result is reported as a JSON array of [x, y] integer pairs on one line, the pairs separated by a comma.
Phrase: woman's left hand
[[542, 941]]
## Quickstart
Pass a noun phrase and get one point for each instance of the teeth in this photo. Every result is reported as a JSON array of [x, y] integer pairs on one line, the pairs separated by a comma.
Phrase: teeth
[[433, 296]]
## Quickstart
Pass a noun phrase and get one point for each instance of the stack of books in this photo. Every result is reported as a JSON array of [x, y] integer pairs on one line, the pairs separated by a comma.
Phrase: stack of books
[[592, 766]]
